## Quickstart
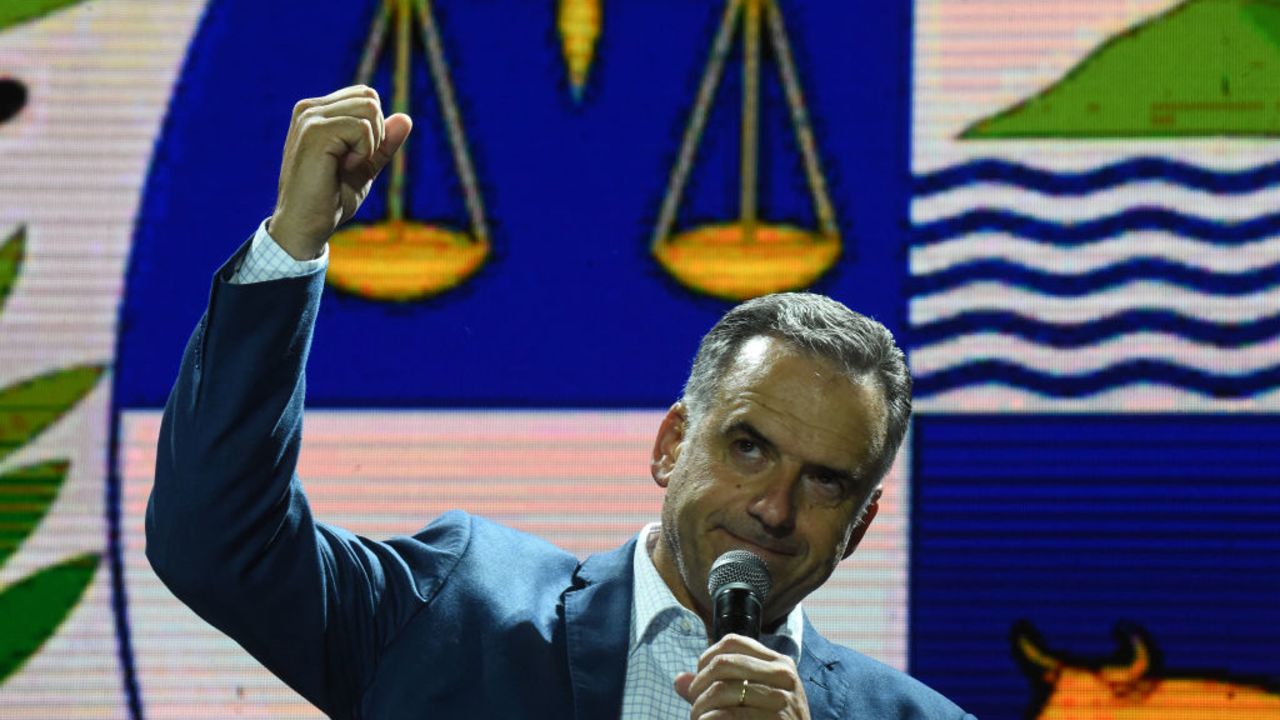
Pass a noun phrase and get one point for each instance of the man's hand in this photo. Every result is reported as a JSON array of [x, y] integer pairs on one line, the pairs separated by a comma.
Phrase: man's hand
[[336, 146], [773, 688]]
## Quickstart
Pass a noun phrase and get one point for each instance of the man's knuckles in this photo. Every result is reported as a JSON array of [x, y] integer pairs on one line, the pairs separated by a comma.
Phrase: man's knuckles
[[302, 106], [720, 663], [355, 91], [347, 92], [366, 91], [721, 693], [738, 643]]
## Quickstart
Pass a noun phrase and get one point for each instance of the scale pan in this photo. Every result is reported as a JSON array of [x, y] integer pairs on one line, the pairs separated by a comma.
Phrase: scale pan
[[402, 261], [718, 259]]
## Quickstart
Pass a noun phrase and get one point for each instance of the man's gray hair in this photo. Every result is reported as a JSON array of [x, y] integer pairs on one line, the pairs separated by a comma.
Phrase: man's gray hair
[[823, 328]]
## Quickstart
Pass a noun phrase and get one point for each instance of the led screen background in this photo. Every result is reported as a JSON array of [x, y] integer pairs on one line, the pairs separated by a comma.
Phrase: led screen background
[[1089, 310]]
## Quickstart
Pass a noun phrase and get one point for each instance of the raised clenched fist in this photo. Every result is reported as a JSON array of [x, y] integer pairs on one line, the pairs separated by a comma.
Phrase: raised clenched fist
[[336, 146]]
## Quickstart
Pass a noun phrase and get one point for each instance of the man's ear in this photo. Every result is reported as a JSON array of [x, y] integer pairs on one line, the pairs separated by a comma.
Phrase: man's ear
[[666, 446], [864, 522]]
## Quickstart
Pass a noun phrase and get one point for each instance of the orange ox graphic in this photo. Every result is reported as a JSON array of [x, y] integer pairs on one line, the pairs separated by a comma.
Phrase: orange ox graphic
[[1131, 691]]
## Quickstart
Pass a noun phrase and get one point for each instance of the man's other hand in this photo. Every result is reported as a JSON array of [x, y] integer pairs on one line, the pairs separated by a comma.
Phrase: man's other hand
[[335, 148], [772, 688]]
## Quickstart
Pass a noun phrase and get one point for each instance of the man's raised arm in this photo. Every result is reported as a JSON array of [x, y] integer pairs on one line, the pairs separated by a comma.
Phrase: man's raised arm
[[228, 526]]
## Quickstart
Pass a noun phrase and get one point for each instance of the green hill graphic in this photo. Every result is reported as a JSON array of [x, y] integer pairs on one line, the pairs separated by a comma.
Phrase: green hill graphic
[[1203, 68]]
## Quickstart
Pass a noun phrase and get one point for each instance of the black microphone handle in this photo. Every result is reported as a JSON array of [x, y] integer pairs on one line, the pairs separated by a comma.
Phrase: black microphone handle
[[735, 609]]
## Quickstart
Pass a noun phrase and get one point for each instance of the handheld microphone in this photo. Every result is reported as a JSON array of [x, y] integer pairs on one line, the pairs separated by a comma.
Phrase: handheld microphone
[[739, 585]]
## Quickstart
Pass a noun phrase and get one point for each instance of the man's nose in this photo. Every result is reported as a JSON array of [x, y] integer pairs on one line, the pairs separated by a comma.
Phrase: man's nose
[[774, 504]]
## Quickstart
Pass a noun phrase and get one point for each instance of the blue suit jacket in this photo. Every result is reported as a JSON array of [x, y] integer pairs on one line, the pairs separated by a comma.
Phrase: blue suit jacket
[[466, 619]]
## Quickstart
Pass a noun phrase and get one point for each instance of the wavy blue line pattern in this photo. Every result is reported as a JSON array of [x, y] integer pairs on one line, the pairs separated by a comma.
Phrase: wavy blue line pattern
[[1085, 183], [1209, 283], [1082, 233], [1091, 231], [1226, 387], [1068, 336]]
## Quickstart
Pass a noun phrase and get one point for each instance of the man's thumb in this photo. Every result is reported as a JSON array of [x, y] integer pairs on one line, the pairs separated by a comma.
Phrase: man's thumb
[[396, 130], [682, 683]]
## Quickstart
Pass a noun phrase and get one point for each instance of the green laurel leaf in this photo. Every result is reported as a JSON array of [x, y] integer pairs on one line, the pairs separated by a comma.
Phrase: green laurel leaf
[[13, 12], [25, 497], [32, 608], [11, 254], [31, 406]]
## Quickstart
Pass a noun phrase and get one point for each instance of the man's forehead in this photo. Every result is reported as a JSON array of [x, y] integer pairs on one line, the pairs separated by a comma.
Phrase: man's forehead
[[790, 423], [754, 352], [764, 356], [801, 401]]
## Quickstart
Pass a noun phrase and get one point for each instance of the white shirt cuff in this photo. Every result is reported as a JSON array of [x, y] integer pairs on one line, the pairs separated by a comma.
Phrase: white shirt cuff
[[266, 260]]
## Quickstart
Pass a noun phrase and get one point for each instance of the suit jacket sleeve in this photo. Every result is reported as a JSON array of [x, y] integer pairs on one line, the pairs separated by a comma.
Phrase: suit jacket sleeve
[[228, 526]]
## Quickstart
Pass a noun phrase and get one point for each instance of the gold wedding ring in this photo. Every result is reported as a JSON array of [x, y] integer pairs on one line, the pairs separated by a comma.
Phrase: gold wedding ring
[[742, 699]]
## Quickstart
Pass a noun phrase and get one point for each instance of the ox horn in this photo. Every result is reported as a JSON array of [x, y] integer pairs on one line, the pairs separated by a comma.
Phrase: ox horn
[[1137, 667], [1034, 654]]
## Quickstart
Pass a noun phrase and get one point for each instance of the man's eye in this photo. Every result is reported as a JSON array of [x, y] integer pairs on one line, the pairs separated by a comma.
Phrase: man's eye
[[829, 484], [746, 447]]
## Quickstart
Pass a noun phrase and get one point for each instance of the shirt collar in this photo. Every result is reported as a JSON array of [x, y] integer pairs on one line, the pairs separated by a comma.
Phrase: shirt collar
[[655, 603]]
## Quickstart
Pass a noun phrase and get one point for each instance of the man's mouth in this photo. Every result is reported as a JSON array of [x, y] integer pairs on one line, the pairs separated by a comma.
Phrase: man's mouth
[[761, 545]]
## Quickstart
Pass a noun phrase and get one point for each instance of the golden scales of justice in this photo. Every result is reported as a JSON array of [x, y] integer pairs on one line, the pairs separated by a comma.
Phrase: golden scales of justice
[[750, 257], [398, 259]]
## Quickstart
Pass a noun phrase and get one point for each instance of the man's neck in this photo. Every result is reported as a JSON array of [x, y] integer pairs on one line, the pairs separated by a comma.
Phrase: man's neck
[[663, 560], [659, 553]]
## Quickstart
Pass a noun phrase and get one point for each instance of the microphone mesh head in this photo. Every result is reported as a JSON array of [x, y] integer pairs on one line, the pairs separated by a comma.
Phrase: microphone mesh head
[[741, 566]]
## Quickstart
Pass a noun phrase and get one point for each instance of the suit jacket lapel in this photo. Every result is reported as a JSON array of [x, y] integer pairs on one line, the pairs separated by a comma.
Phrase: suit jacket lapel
[[822, 684], [597, 610]]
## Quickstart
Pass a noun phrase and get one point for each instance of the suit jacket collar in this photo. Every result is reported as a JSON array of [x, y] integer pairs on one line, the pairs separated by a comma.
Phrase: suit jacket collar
[[597, 641]]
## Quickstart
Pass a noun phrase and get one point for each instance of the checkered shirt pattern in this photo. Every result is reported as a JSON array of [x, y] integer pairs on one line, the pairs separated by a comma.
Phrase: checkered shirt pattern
[[268, 261], [667, 639]]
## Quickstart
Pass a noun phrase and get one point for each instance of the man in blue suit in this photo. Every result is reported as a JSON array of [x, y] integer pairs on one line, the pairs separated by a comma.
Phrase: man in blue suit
[[791, 417]]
